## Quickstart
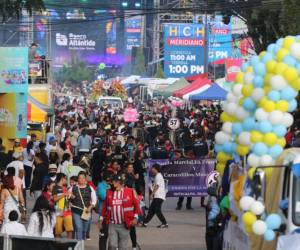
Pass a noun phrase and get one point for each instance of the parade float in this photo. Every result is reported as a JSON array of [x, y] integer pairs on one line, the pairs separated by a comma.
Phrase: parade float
[[264, 179]]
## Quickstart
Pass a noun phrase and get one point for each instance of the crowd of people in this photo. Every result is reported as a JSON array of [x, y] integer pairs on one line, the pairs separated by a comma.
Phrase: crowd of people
[[94, 162]]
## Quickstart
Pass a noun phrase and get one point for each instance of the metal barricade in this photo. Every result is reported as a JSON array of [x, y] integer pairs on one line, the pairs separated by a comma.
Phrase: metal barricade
[[14, 242]]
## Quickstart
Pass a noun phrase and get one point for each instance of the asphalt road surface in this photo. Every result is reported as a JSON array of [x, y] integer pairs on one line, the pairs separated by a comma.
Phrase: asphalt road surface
[[186, 230]]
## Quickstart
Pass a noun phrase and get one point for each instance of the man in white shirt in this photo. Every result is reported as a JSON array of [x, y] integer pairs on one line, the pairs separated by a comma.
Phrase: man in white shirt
[[159, 196], [18, 165], [13, 227]]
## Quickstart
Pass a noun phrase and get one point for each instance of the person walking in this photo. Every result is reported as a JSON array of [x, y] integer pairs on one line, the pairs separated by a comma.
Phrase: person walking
[[28, 159], [42, 219], [120, 212], [84, 144], [39, 174], [159, 196]]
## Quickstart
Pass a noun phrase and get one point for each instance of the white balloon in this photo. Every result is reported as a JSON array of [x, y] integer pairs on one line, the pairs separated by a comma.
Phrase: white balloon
[[232, 98], [227, 127], [276, 117], [287, 120], [222, 137], [248, 78], [257, 94], [261, 114], [278, 82], [231, 108], [295, 50], [253, 160], [244, 138], [266, 160], [241, 113], [237, 89], [257, 208], [246, 202], [259, 227]]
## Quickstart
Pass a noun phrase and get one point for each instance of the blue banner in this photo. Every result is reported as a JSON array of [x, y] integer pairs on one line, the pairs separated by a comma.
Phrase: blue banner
[[183, 49], [220, 39], [133, 33], [186, 177]]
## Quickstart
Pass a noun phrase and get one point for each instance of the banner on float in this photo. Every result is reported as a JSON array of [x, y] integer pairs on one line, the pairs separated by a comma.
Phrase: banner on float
[[13, 70], [13, 115], [185, 177], [183, 49]]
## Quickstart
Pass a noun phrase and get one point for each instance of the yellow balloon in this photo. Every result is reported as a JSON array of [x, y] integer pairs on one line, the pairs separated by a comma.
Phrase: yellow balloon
[[270, 139], [251, 172], [288, 41], [271, 66], [248, 218], [256, 136], [267, 89], [269, 106], [227, 118], [249, 69], [291, 74], [281, 142], [223, 157], [242, 150], [296, 84], [240, 77], [261, 54], [247, 90], [241, 101], [280, 68], [248, 229], [220, 168], [282, 105], [282, 53]]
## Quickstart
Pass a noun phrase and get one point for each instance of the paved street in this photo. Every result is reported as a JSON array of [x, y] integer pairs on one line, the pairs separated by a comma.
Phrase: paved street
[[186, 230]]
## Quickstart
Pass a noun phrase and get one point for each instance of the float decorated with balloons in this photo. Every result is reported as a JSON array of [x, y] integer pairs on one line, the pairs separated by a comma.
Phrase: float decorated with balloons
[[256, 119]]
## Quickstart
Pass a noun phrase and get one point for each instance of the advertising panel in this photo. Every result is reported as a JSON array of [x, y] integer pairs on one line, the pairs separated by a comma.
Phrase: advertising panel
[[13, 115], [220, 39], [133, 33], [13, 70], [186, 177], [111, 37], [183, 49], [233, 66]]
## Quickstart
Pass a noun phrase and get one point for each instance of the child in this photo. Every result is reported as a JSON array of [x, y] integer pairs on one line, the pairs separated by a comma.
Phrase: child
[[13, 227]]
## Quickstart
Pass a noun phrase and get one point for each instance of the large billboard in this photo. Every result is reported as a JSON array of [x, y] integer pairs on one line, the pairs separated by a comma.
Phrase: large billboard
[[13, 70], [220, 39], [133, 33], [184, 47]]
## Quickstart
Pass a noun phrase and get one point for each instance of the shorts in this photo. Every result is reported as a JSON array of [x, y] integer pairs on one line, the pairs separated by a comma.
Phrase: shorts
[[63, 224]]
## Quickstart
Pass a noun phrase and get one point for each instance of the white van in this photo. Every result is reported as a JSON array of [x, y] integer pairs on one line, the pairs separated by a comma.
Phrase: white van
[[114, 102]]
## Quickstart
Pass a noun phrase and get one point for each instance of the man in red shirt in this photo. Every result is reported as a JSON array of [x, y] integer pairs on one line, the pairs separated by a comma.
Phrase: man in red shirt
[[120, 211]]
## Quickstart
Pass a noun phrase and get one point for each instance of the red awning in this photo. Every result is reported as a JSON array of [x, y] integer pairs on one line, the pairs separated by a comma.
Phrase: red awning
[[195, 77], [200, 82]]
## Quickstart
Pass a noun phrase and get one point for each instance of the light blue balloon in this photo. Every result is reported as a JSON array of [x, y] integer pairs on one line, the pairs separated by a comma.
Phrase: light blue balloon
[[237, 128], [292, 105], [265, 127], [234, 146], [297, 37], [279, 42], [296, 169], [271, 48], [273, 221], [279, 130], [277, 48], [227, 147], [254, 60], [275, 151], [249, 124], [249, 104], [269, 235], [267, 57], [289, 60], [260, 69], [245, 66], [258, 81], [274, 95], [260, 149], [288, 93], [218, 148]]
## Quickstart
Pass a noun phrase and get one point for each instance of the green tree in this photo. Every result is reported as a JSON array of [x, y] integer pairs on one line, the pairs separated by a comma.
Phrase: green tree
[[139, 63], [159, 71], [13, 8]]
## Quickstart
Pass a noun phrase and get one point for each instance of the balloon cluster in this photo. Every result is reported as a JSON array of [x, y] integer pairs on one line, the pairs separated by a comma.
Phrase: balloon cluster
[[256, 113], [254, 209]]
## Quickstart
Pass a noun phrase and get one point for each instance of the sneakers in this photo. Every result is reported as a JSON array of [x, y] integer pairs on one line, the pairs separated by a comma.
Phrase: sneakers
[[163, 226], [144, 225]]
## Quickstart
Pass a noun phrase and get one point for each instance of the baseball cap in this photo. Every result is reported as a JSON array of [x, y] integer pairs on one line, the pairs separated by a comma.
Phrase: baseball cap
[[117, 177]]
